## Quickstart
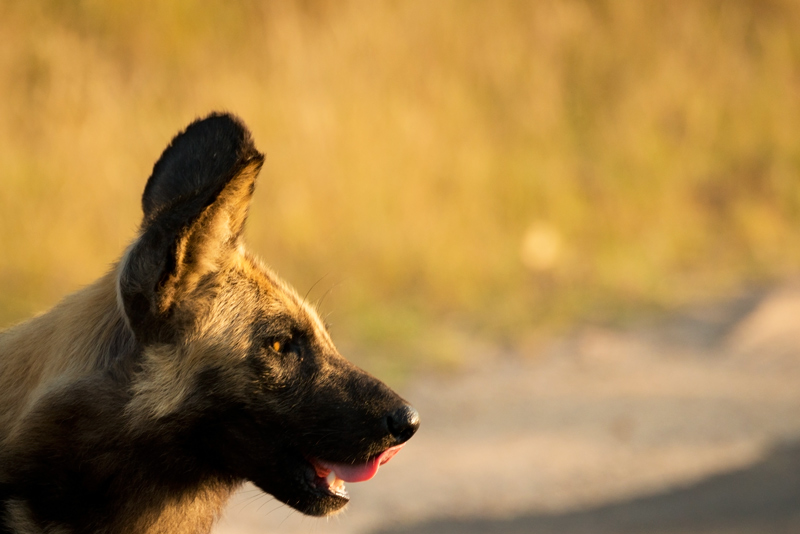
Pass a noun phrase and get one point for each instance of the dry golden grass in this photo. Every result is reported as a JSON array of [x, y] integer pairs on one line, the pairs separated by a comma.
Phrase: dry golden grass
[[444, 167]]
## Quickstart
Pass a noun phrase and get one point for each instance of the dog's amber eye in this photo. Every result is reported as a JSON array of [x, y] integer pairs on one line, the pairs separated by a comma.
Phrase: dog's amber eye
[[276, 346]]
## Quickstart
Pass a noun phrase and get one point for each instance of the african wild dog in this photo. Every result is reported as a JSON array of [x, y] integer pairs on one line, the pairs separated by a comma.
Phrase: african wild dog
[[140, 403]]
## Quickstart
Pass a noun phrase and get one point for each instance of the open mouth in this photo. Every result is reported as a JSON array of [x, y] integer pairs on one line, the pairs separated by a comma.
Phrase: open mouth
[[329, 477]]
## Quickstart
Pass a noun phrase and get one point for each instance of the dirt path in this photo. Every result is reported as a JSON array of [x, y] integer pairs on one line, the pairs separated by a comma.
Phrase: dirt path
[[597, 422]]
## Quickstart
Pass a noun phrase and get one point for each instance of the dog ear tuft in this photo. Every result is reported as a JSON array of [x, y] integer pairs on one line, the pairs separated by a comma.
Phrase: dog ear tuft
[[195, 205]]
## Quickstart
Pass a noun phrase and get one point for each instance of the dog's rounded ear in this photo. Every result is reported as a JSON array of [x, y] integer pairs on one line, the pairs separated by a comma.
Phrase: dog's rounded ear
[[195, 205]]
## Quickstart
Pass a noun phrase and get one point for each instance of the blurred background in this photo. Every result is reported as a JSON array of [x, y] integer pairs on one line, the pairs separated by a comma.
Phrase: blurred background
[[456, 182]]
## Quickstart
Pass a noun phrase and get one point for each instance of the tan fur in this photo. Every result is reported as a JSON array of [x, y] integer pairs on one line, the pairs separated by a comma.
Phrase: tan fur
[[191, 514], [160, 386], [55, 348]]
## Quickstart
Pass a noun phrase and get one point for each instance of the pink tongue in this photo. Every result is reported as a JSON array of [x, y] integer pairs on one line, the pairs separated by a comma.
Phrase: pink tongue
[[362, 472]]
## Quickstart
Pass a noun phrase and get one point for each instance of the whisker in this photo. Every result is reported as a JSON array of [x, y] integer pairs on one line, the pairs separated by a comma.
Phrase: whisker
[[305, 297], [322, 298]]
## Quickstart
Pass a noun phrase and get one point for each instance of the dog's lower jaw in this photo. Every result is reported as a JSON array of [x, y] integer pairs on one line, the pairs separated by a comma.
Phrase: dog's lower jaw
[[323, 502], [307, 493]]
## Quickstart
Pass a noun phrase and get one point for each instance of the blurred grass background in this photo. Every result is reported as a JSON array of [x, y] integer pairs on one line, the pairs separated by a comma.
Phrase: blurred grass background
[[440, 172]]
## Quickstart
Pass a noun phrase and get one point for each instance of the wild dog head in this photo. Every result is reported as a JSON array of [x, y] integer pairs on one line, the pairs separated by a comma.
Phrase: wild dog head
[[232, 360]]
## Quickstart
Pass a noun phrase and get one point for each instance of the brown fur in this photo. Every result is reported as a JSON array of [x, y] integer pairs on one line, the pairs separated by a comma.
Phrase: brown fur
[[140, 403]]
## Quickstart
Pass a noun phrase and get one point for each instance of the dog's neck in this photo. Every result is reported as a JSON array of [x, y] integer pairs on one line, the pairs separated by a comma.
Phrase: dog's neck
[[85, 342]]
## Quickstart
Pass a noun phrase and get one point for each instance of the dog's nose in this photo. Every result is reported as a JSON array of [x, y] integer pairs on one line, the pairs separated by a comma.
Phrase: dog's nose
[[403, 423]]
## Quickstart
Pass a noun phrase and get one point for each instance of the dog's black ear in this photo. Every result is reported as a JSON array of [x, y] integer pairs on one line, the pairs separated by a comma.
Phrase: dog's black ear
[[195, 205]]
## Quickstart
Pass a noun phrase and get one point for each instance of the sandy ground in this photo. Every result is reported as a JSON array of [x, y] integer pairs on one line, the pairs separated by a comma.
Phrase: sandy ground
[[688, 425]]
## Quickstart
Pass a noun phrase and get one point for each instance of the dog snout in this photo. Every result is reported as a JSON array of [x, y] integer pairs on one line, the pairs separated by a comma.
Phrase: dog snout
[[402, 423]]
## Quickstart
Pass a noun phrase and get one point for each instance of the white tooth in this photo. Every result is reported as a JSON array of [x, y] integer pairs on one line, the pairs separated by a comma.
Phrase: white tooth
[[331, 479]]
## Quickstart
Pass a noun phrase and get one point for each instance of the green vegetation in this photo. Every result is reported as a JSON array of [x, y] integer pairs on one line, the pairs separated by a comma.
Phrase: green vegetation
[[450, 170]]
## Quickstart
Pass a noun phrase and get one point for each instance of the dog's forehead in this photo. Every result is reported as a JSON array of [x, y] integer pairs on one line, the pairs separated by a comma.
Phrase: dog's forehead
[[281, 296]]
